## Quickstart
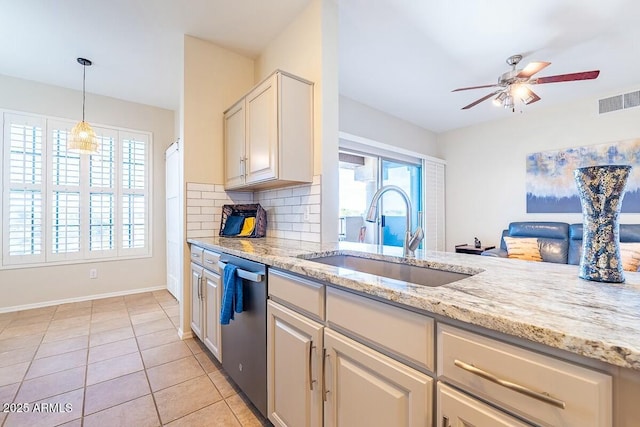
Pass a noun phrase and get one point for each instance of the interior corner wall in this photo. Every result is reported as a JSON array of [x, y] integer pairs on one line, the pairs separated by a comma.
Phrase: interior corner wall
[[363, 121], [214, 78], [40, 285], [486, 164], [308, 47]]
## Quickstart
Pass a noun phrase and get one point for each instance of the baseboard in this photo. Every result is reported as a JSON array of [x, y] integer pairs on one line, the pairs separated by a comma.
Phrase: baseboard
[[79, 299], [185, 335]]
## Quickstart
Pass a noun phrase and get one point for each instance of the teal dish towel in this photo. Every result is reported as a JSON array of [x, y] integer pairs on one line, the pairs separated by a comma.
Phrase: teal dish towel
[[231, 295]]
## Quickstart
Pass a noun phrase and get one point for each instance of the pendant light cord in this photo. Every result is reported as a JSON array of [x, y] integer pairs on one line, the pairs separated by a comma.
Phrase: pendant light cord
[[84, 74]]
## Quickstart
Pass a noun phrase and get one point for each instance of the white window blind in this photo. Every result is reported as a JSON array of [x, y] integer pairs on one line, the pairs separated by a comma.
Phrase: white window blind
[[434, 203], [61, 206]]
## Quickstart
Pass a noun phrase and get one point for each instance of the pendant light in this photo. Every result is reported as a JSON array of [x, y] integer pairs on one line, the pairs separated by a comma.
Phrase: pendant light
[[82, 138]]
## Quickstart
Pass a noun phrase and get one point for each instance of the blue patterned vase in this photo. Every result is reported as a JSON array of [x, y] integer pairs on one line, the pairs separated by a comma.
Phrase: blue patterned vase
[[601, 189]]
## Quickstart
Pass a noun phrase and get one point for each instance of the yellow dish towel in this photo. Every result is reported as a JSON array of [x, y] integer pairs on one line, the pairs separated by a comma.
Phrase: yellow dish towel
[[247, 227]]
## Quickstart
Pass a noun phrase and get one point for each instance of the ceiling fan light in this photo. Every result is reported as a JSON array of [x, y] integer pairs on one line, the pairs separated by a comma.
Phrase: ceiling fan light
[[508, 102], [82, 139], [499, 100], [521, 91]]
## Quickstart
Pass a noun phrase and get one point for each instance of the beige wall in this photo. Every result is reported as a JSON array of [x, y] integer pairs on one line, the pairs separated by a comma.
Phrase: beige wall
[[308, 47], [363, 121], [214, 78], [485, 181], [38, 285]]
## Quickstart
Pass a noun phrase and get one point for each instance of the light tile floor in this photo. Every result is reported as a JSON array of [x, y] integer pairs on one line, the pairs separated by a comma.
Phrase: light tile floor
[[112, 362]]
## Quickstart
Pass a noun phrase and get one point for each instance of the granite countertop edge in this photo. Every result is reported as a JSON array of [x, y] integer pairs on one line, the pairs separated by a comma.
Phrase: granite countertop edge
[[542, 302]]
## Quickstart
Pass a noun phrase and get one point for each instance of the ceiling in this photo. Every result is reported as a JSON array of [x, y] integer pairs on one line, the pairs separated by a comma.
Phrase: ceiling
[[400, 56]]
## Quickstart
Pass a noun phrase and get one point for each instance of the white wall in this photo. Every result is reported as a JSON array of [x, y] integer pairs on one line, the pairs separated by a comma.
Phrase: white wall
[[24, 286], [485, 180], [363, 121], [308, 47]]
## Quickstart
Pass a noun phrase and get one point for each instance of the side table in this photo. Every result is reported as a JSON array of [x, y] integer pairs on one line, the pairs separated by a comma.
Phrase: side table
[[471, 249]]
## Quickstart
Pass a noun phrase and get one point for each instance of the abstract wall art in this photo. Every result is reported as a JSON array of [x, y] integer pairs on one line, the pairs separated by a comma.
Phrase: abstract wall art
[[551, 187]]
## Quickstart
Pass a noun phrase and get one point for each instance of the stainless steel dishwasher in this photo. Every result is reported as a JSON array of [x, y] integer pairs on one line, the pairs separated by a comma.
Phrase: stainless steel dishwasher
[[244, 339]]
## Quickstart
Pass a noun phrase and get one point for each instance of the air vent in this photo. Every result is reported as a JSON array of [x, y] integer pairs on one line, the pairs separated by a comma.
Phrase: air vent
[[619, 102], [632, 99], [610, 104]]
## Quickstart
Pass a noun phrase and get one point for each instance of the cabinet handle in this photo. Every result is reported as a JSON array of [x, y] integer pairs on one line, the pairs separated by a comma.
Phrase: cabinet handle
[[324, 375], [201, 290], [543, 397], [196, 255], [208, 261], [242, 166], [310, 346], [445, 422]]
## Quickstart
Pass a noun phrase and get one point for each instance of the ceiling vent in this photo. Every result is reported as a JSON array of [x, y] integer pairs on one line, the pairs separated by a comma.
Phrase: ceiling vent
[[619, 102]]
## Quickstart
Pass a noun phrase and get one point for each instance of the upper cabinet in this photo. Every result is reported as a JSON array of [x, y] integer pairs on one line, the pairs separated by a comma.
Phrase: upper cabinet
[[268, 135]]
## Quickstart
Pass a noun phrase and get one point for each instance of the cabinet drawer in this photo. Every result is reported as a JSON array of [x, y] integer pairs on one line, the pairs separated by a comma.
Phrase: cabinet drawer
[[395, 330], [305, 295], [196, 254], [211, 261], [493, 370]]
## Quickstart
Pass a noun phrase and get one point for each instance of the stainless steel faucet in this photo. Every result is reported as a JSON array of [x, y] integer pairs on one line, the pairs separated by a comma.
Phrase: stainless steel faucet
[[411, 241]]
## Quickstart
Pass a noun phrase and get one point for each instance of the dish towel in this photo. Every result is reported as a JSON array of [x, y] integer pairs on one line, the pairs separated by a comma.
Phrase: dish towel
[[231, 295]]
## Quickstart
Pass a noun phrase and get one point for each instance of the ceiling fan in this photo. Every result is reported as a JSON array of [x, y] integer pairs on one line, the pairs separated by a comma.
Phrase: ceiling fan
[[515, 83]]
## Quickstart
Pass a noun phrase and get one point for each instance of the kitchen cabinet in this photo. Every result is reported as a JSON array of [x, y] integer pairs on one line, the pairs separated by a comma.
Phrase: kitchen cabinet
[[456, 409], [539, 388], [196, 299], [365, 387], [294, 352], [206, 297], [343, 382], [268, 135]]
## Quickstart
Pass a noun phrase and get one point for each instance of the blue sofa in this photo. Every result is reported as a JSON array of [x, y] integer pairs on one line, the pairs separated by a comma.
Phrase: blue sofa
[[559, 242]]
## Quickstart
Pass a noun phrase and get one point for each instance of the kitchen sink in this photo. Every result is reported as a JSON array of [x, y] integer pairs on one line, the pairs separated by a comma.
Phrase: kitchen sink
[[424, 276]]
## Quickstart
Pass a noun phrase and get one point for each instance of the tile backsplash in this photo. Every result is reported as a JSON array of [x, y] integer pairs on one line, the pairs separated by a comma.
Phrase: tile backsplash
[[292, 212]]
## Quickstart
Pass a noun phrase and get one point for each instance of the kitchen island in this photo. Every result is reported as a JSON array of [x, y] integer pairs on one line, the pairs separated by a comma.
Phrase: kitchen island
[[542, 307]]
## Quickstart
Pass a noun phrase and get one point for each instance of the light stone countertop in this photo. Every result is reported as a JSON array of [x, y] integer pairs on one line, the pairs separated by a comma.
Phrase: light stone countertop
[[542, 302]]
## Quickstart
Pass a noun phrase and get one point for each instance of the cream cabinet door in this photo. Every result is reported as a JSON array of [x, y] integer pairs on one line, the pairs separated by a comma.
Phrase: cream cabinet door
[[212, 299], [196, 300], [367, 388], [262, 132], [234, 145], [294, 356], [456, 409]]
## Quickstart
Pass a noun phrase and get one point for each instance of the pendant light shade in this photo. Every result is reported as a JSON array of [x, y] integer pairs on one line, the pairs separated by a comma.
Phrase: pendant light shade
[[82, 138]]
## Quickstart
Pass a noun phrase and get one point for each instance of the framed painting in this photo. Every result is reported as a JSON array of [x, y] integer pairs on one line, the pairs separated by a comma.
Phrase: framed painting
[[551, 187]]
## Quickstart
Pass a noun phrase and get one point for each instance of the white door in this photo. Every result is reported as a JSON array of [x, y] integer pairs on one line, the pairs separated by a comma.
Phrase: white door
[[173, 185], [456, 409], [212, 289], [294, 383], [367, 388]]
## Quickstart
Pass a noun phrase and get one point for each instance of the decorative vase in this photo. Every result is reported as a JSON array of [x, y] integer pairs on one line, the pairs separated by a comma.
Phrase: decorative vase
[[601, 189]]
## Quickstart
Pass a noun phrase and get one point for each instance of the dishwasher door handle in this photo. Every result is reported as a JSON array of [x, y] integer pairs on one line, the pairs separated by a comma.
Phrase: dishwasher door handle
[[249, 275]]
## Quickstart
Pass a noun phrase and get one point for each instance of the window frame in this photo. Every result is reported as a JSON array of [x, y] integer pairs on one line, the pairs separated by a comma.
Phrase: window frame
[[46, 257]]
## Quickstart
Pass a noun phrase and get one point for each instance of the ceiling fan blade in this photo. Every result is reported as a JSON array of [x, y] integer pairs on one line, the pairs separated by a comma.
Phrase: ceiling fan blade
[[484, 98], [472, 87], [584, 75], [532, 68], [529, 97]]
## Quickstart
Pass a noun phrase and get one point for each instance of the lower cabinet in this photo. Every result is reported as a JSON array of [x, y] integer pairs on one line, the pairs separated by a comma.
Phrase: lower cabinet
[[211, 316], [206, 297], [196, 299], [316, 376], [367, 388], [457, 409], [294, 359]]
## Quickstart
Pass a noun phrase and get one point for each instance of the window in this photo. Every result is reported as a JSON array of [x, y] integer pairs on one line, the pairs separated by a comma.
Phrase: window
[[62, 206]]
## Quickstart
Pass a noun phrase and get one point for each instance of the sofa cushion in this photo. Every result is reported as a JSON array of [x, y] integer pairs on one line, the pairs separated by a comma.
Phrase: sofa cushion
[[526, 248], [553, 238]]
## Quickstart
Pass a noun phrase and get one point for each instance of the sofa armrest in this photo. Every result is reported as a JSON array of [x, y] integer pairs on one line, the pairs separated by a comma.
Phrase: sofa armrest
[[496, 253]]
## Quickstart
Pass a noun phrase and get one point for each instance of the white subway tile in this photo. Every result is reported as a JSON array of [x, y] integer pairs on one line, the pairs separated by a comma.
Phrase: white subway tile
[[310, 237], [209, 225], [284, 226], [294, 235], [195, 186], [208, 210], [194, 194], [279, 210], [199, 202], [218, 188], [199, 218], [315, 189], [314, 209], [284, 193], [292, 201], [314, 228], [292, 218], [316, 180], [194, 210], [314, 218], [193, 226], [302, 191], [209, 195], [301, 226]]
